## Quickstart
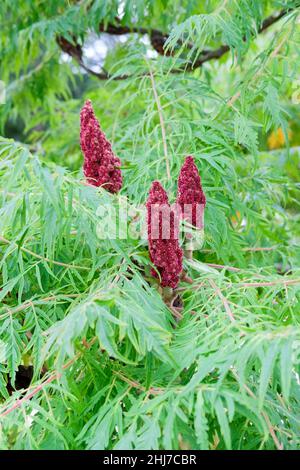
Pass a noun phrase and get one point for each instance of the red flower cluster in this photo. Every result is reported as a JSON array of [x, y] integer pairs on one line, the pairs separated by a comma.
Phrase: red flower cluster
[[165, 252], [190, 195], [164, 249], [101, 167]]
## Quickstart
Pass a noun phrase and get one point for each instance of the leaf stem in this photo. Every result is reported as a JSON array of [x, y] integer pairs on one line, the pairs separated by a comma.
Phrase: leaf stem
[[43, 258], [161, 119]]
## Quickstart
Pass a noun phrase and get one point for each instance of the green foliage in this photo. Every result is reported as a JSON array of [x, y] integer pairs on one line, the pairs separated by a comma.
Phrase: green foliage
[[113, 368]]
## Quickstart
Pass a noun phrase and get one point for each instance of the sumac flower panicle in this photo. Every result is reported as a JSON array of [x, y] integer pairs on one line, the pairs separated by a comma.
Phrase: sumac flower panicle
[[190, 196], [101, 167], [164, 249]]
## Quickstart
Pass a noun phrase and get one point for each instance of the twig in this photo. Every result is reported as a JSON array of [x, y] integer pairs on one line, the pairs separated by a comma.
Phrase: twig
[[260, 248], [224, 300], [278, 445], [270, 283], [50, 379], [184, 277], [183, 289], [161, 120], [247, 284], [249, 248], [175, 311], [43, 258], [137, 385], [30, 303], [274, 53], [221, 266]]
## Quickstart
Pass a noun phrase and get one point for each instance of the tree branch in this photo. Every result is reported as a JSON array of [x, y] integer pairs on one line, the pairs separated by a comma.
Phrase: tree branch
[[75, 51], [158, 40], [217, 53], [157, 37]]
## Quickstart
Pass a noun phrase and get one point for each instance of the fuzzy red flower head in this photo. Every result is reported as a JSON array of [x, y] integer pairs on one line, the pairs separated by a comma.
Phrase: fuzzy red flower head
[[190, 195], [101, 167], [164, 249]]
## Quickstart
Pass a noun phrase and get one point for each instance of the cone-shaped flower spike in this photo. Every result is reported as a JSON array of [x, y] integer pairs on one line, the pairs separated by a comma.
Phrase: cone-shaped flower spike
[[190, 195], [164, 249], [101, 167]]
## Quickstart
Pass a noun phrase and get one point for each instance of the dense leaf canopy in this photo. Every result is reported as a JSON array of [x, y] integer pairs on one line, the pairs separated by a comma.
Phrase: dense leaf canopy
[[91, 357]]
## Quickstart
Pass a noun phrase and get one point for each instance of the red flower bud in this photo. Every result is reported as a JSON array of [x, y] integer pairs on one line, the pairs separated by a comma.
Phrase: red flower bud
[[164, 249], [101, 167], [190, 195]]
